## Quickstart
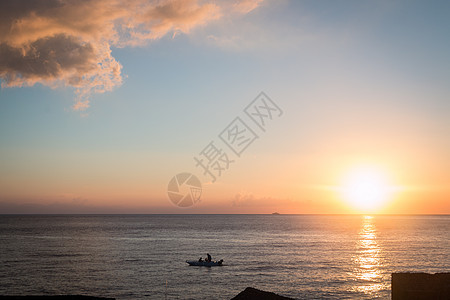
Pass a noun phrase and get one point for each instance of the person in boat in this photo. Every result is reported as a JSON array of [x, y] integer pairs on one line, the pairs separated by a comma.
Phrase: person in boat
[[208, 259], [200, 259]]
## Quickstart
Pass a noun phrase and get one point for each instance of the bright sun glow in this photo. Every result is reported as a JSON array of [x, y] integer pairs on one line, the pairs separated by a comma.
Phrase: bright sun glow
[[366, 189]]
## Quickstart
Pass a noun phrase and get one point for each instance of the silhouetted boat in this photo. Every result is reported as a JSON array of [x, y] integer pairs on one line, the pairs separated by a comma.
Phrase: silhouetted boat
[[205, 263]]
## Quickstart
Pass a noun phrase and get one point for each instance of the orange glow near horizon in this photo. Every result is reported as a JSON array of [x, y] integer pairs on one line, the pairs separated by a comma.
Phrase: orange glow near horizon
[[326, 184]]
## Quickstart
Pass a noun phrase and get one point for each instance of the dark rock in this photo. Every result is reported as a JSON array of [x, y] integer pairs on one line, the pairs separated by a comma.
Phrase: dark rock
[[62, 297], [420, 286], [255, 294]]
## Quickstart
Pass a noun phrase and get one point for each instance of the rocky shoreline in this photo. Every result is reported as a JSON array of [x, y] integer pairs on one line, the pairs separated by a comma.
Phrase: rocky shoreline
[[405, 286], [55, 297]]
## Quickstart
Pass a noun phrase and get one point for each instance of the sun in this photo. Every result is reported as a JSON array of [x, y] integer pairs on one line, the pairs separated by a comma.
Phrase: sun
[[366, 189]]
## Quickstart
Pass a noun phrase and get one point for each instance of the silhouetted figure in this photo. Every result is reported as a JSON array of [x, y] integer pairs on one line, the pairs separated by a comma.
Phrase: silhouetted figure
[[200, 259], [208, 259]]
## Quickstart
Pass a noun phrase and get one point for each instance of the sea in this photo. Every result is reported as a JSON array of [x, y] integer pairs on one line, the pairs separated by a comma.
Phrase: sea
[[144, 256]]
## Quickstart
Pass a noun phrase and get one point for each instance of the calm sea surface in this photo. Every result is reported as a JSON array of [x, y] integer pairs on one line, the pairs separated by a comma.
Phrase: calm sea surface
[[143, 256]]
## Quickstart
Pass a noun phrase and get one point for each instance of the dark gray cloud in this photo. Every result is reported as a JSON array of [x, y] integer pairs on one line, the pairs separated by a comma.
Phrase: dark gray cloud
[[46, 58]]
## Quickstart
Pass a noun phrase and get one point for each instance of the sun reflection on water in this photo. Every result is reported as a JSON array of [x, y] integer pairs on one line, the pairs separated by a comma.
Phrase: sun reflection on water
[[367, 261]]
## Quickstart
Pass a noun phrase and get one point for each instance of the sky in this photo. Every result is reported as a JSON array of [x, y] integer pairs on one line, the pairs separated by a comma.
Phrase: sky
[[102, 104]]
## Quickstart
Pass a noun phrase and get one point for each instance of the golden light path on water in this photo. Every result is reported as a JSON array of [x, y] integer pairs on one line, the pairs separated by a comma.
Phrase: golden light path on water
[[367, 262]]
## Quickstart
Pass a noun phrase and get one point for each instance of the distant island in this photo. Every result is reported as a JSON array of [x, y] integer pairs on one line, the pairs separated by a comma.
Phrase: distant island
[[275, 213]]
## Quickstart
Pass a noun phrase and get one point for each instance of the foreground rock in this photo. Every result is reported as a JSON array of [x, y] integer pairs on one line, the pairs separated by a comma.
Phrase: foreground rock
[[418, 286], [255, 294], [62, 297]]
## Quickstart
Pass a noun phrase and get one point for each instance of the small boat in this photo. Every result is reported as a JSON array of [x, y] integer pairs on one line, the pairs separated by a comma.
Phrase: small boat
[[203, 263]]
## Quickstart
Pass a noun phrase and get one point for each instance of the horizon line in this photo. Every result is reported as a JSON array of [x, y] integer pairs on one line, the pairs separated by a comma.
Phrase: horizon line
[[149, 214]]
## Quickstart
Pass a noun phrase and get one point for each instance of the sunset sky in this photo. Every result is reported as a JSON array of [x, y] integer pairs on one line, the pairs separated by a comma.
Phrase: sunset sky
[[102, 103]]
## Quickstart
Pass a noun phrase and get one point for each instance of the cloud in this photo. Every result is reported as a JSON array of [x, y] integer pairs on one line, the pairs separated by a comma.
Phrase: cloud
[[246, 6], [250, 200], [68, 43]]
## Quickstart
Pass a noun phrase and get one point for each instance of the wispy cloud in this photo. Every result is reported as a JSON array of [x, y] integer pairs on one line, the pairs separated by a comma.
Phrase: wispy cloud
[[250, 200], [68, 43], [246, 6]]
